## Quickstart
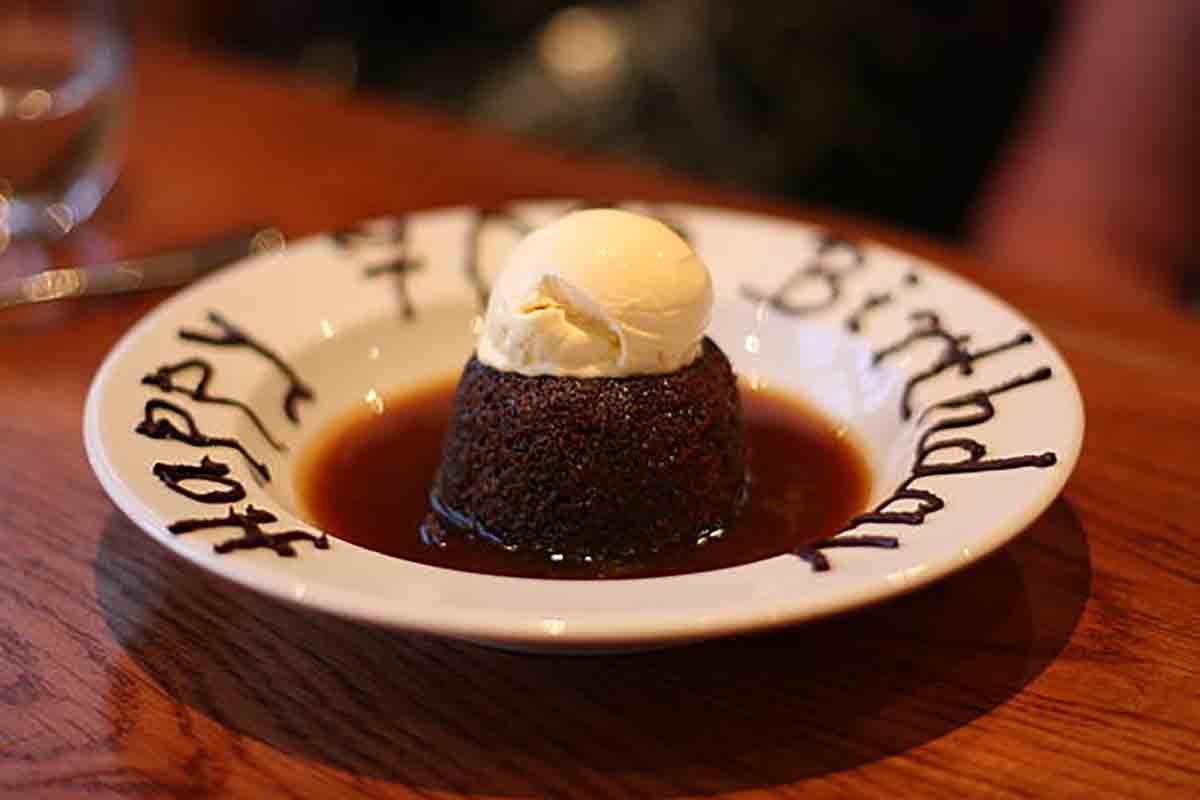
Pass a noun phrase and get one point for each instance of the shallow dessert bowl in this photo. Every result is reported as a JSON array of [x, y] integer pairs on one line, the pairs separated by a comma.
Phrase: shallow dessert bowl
[[393, 303]]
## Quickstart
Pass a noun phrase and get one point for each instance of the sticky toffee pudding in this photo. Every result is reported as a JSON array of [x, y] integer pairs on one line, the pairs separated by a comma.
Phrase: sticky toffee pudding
[[367, 478]]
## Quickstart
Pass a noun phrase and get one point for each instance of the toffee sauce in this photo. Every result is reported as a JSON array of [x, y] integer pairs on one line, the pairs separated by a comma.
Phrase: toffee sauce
[[367, 480]]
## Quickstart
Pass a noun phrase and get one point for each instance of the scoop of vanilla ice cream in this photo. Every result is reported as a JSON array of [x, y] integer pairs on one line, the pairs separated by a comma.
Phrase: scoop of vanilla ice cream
[[600, 292]]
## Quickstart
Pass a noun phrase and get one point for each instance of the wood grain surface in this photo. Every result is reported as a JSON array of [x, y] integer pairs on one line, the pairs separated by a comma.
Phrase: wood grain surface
[[1064, 666]]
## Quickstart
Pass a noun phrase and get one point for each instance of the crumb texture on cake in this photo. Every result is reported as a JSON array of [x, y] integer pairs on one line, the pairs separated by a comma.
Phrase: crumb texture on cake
[[612, 468]]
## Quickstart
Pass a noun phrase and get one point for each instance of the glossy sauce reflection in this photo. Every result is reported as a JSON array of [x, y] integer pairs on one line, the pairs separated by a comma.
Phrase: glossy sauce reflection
[[366, 480]]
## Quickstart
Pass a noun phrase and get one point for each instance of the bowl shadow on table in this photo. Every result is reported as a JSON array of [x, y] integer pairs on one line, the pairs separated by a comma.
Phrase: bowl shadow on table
[[721, 716]]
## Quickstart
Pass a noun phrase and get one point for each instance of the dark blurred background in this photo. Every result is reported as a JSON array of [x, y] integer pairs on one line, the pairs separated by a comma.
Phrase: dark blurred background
[[887, 109]]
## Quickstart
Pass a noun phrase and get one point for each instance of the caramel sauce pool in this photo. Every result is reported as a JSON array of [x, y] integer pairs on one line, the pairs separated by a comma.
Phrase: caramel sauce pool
[[366, 480]]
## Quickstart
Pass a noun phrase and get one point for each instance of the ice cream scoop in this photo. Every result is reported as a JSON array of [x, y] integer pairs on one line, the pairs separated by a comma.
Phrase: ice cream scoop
[[601, 292]]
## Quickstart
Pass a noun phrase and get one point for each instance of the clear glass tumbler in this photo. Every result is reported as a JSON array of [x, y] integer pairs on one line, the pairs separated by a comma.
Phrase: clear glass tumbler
[[63, 87]]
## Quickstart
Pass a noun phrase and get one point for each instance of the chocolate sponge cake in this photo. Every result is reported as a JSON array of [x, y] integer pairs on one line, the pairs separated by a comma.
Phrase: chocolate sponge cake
[[595, 420], [601, 468]]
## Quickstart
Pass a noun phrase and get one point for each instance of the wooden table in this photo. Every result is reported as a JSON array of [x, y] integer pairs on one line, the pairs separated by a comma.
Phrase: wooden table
[[1066, 665]]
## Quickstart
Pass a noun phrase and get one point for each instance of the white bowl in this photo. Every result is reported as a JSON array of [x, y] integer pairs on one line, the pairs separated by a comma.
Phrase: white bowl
[[317, 305]]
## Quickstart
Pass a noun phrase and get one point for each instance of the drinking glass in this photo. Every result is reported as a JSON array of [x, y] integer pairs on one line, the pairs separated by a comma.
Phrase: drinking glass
[[62, 93]]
